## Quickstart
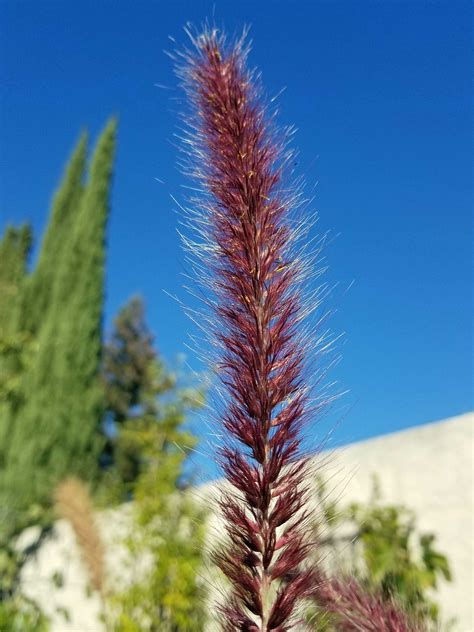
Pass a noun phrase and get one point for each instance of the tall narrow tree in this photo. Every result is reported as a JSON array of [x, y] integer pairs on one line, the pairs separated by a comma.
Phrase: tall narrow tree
[[27, 305], [14, 342], [14, 251], [56, 432], [38, 293]]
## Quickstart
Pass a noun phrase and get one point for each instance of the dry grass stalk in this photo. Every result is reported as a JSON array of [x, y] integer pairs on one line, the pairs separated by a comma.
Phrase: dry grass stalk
[[74, 504]]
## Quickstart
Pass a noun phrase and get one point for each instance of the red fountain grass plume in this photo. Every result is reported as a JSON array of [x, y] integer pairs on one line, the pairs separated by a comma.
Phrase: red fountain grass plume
[[251, 254], [360, 611]]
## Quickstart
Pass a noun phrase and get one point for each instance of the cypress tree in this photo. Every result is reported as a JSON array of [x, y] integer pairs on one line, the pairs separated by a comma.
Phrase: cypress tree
[[25, 304], [77, 366], [37, 295], [14, 251], [56, 433], [14, 343]]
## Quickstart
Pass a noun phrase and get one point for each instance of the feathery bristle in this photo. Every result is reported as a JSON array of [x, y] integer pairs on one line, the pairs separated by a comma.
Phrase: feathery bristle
[[249, 255], [360, 611]]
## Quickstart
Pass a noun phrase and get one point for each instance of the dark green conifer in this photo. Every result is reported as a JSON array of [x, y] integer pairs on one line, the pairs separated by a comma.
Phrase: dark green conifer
[[24, 306], [15, 343], [127, 376], [37, 297], [14, 251], [56, 432], [126, 362]]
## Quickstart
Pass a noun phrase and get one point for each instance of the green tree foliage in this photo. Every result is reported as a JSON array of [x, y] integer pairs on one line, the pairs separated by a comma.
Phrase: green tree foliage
[[149, 409], [37, 299], [55, 430], [128, 376], [168, 532], [389, 556], [14, 342], [18, 613], [398, 560], [127, 359], [14, 252]]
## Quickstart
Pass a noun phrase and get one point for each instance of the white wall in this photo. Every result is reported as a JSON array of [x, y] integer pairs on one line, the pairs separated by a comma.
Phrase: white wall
[[430, 470]]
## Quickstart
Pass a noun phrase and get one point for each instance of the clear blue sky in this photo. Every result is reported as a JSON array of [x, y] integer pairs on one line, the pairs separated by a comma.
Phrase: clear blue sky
[[380, 93]]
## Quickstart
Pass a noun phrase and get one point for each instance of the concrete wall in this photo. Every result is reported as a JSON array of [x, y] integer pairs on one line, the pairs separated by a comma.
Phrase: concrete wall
[[428, 468]]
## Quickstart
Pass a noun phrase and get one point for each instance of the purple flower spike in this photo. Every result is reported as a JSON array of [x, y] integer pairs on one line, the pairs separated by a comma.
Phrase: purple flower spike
[[250, 256]]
